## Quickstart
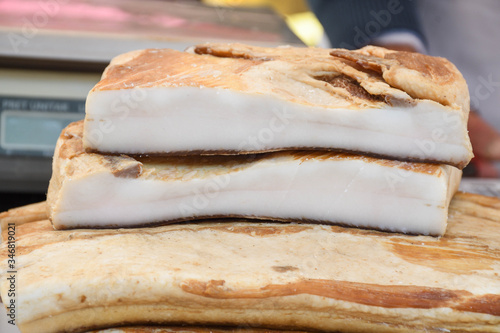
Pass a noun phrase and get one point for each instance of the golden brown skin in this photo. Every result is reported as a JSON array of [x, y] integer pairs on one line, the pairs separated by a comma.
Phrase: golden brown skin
[[375, 73], [421, 76]]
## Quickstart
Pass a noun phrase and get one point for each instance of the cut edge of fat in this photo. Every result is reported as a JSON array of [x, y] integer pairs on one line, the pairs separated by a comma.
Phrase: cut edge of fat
[[347, 192], [184, 119]]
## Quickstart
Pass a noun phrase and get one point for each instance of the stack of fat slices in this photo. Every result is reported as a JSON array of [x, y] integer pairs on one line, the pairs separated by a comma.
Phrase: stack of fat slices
[[237, 138], [370, 138]]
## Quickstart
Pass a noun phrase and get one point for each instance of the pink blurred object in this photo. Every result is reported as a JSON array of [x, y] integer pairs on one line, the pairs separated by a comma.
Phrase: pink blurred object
[[157, 19]]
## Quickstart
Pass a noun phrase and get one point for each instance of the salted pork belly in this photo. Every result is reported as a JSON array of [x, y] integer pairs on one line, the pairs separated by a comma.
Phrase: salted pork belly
[[105, 191], [233, 98], [304, 277]]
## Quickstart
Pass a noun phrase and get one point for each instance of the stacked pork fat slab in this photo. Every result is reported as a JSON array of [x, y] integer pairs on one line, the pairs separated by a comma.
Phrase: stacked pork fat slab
[[369, 138]]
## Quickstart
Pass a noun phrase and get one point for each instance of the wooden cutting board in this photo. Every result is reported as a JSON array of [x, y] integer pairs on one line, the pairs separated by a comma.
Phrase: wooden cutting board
[[247, 274]]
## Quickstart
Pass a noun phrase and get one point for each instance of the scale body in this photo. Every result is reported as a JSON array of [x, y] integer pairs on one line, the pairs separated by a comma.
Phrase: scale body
[[35, 106]]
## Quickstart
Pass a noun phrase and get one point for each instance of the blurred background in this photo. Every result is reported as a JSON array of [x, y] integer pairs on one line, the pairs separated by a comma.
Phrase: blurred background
[[52, 52]]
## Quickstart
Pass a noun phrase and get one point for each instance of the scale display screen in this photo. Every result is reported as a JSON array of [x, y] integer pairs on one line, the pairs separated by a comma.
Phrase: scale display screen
[[31, 126], [33, 131]]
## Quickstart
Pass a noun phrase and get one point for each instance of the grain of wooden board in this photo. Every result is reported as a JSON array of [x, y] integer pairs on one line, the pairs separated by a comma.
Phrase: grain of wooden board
[[268, 275]]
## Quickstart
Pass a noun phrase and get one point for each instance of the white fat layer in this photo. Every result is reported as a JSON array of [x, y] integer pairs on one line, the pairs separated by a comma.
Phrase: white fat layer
[[193, 118], [350, 192]]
